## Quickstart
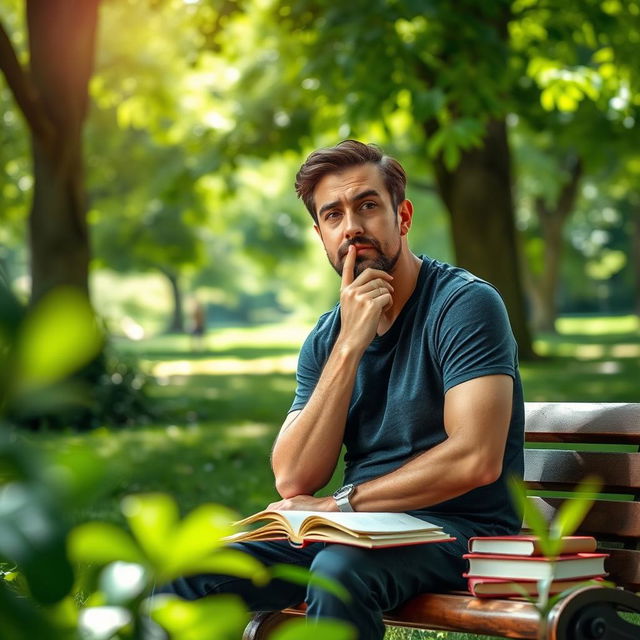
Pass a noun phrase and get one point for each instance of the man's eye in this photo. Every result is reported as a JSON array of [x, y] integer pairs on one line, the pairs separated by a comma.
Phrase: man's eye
[[331, 215], [369, 204]]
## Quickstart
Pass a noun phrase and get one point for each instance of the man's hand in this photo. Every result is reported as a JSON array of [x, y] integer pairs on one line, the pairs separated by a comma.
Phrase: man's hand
[[305, 503], [362, 302]]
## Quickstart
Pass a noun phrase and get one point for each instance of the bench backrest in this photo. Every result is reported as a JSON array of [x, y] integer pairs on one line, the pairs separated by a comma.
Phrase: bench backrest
[[600, 439]]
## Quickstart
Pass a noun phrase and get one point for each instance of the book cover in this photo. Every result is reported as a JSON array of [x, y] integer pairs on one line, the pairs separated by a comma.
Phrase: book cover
[[577, 565], [528, 545], [501, 588], [364, 529]]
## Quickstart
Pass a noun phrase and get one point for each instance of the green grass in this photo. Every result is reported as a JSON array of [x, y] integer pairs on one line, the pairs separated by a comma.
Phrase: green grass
[[220, 408]]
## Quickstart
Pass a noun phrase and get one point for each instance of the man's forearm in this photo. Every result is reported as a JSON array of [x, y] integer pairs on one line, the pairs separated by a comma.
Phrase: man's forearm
[[444, 472], [306, 451]]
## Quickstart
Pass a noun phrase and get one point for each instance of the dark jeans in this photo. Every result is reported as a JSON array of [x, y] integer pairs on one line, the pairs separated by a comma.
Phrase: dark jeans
[[378, 580]]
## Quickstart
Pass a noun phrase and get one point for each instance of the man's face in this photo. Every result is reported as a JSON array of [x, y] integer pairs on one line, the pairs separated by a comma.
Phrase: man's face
[[354, 207]]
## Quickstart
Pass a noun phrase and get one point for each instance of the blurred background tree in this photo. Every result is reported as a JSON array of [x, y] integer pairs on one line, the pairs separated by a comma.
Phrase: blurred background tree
[[516, 122]]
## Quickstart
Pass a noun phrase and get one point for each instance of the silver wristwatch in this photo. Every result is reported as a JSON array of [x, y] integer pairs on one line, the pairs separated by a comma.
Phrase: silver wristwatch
[[341, 496]]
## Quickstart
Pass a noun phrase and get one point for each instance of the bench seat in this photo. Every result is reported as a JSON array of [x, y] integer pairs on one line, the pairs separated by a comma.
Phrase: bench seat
[[560, 453]]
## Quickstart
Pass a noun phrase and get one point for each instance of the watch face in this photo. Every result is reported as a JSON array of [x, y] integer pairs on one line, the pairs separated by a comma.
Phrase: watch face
[[343, 491]]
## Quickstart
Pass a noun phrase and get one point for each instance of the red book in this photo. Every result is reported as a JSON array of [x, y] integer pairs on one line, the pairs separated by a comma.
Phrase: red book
[[579, 565], [500, 588], [523, 545]]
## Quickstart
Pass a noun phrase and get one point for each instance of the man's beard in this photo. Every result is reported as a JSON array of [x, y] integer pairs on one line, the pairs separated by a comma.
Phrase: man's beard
[[381, 261]]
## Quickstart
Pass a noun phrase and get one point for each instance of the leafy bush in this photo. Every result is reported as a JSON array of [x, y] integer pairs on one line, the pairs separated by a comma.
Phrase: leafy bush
[[94, 582], [81, 380]]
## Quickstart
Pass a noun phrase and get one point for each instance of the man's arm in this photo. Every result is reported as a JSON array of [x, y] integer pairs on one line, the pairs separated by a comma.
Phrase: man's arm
[[306, 450], [477, 414]]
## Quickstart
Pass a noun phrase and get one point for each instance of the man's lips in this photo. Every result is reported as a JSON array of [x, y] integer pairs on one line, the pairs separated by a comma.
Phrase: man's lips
[[364, 247]]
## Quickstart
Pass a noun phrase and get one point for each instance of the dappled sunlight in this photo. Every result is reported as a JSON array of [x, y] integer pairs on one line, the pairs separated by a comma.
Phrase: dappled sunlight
[[586, 352], [225, 366], [609, 367], [242, 431], [598, 325]]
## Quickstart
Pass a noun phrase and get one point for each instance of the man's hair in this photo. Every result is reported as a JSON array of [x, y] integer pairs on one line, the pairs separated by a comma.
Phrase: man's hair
[[346, 154]]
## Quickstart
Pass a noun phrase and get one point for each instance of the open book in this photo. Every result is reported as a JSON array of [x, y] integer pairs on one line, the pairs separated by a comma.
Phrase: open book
[[361, 529]]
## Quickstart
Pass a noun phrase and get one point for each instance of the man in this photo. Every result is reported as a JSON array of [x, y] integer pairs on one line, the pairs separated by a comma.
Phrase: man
[[415, 371]]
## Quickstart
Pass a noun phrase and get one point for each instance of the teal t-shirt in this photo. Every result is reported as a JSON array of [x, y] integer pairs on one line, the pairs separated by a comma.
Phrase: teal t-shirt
[[453, 328]]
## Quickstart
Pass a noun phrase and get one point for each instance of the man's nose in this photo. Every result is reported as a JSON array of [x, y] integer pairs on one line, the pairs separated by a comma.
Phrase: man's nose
[[353, 225]]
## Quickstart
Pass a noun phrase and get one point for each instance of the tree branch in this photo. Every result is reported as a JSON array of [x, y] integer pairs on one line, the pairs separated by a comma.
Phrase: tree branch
[[22, 88]]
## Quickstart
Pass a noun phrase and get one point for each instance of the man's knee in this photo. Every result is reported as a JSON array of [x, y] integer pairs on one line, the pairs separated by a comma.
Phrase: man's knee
[[345, 565]]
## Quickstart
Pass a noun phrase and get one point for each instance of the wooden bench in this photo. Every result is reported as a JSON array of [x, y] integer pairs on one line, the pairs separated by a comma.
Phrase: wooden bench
[[592, 612]]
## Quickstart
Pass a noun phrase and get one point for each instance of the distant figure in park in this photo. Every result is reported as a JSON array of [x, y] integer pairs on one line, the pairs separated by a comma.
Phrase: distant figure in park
[[198, 326], [415, 371]]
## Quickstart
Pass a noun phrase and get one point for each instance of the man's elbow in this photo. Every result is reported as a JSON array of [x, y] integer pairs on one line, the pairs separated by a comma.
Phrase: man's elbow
[[480, 468], [485, 472], [290, 487]]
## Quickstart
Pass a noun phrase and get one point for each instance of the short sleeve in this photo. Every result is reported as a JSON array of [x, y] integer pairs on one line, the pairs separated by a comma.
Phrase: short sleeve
[[307, 373], [474, 337]]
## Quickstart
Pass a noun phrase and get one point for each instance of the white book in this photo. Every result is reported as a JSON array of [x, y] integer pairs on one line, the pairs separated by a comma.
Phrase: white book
[[363, 528]]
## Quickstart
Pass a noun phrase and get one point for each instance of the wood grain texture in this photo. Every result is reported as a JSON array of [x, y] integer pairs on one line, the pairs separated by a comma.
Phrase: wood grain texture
[[607, 519], [563, 470], [614, 423], [452, 612]]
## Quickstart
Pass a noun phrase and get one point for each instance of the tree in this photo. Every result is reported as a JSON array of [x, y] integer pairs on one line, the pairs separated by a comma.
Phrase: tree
[[448, 77], [51, 93]]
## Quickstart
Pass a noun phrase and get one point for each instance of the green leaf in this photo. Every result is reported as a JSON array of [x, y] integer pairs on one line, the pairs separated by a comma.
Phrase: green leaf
[[532, 517], [213, 618], [302, 629], [101, 543], [227, 561], [33, 536], [300, 575], [451, 155], [59, 336], [153, 518], [22, 620], [201, 532], [573, 511]]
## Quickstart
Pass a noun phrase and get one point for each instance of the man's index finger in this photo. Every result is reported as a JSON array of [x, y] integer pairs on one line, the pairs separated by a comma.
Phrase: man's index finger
[[349, 266]]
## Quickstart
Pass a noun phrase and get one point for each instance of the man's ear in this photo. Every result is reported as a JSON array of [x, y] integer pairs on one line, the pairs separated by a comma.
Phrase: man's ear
[[316, 228], [405, 215]]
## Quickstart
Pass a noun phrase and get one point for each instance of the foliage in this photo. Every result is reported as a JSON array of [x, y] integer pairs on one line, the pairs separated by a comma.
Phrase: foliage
[[565, 522], [48, 377], [112, 568], [177, 123]]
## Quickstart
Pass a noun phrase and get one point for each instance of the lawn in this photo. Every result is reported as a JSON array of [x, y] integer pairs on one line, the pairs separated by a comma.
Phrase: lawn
[[219, 408]]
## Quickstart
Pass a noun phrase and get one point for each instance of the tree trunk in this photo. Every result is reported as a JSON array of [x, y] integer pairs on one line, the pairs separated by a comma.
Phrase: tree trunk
[[545, 288], [552, 220], [59, 239], [53, 97], [477, 194], [176, 325]]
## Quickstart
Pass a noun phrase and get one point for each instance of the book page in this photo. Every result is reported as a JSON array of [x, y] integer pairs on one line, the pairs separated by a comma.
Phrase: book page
[[360, 522], [370, 522]]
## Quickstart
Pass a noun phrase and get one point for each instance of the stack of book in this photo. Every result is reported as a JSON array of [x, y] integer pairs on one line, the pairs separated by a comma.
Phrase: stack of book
[[507, 566]]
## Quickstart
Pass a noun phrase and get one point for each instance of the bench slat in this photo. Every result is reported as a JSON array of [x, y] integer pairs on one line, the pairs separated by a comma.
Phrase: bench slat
[[554, 469], [453, 612], [607, 519], [614, 423]]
